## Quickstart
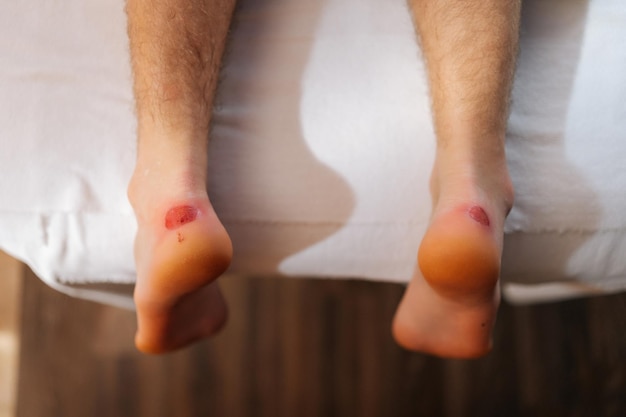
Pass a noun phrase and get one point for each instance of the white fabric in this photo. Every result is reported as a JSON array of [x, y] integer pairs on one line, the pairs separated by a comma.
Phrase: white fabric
[[321, 147]]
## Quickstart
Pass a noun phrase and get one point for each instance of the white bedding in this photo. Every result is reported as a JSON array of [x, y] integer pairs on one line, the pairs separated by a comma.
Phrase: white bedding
[[321, 146]]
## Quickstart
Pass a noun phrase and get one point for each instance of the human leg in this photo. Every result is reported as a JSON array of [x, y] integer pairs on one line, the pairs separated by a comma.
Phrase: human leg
[[469, 47], [181, 247]]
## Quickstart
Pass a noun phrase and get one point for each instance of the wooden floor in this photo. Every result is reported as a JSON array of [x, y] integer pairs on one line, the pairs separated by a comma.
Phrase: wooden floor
[[11, 272], [318, 348]]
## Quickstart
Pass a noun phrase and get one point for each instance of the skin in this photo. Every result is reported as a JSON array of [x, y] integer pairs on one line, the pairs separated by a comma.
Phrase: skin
[[450, 304], [176, 48]]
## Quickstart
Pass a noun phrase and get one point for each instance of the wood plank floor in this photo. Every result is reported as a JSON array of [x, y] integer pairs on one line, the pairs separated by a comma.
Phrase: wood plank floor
[[319, 348], [11, 274]]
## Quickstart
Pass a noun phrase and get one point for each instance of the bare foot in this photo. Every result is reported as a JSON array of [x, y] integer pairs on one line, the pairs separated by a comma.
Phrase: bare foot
[[180, 249], [450, 305]]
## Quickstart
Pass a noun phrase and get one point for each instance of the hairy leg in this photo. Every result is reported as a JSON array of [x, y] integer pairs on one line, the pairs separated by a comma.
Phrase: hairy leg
[[469, 47], [181, 247]]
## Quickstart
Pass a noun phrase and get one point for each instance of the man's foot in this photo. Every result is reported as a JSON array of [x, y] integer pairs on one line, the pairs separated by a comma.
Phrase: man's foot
[[180, 249], [450, 305]]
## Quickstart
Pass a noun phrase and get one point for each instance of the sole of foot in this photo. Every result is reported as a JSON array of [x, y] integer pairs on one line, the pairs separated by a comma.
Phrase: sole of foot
[[450, 305], [179, 252]]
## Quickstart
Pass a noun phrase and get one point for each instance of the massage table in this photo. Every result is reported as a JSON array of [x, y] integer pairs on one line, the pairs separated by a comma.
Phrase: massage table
[[321, 145]]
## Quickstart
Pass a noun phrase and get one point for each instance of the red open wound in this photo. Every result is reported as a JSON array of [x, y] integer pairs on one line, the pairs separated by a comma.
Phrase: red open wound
[[478, 213], [177, 216]]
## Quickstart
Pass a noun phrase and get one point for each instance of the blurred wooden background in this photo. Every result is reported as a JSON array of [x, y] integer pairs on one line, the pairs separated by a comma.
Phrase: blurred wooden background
[[318, 348], [11, 274]]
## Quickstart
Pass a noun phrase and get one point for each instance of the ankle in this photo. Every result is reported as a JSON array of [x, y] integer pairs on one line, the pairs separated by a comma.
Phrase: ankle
[[153, 191], [466, 178]]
